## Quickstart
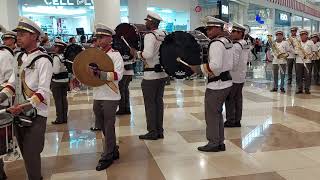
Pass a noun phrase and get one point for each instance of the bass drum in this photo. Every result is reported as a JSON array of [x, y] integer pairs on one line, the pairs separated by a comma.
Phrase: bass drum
[[191, 47], [70, 54], [131, 35]]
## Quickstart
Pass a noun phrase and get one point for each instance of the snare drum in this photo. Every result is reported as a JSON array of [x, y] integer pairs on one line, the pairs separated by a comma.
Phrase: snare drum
[[6, 134], [191, 47]]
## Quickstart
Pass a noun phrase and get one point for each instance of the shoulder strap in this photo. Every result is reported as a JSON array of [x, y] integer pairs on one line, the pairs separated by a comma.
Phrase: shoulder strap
[[38, 57], [19, 58], [224, 44], [239, 44], [155, 35], [56, 55], [7, 48]]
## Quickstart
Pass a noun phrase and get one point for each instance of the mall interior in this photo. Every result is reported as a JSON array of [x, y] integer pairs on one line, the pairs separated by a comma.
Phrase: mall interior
[[279, 137]]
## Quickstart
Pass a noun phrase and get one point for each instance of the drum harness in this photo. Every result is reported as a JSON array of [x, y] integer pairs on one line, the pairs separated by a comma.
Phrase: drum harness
[[224, 76]]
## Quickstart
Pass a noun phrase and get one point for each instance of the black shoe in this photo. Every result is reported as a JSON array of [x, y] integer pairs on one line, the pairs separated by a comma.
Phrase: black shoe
[[307, 92], [149, 136], [160, 136], [282, 90], [3, 176], [222, 147], [58, 122], [299, 92], [95, 129], [208, 148], [229, 124], [274, 90], [116, 154], [104, 164]]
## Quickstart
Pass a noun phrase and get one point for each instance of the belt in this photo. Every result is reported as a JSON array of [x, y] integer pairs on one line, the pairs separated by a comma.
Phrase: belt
[[224, 76], [63, 75], [157, 68], [128, 67]]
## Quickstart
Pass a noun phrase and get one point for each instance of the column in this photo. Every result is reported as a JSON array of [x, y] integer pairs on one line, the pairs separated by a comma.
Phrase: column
[[137, 11], [195, 17], [107, 12], [9, 13]]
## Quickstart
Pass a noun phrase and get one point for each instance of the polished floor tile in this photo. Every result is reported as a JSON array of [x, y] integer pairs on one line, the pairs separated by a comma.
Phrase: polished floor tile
[[284, 160], [277, 137], [278, 140], [298, 174], [260, 176]]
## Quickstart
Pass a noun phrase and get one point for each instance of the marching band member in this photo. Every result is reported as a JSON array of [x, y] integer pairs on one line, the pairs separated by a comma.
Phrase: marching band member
[[280, 49], [34, 98], [154, 78], [9, 39], [304, 49], [7, 77], [315, 59], [105, 99], [220, 63], [124, 105], [238, 74], [60, 83], [292, 56]]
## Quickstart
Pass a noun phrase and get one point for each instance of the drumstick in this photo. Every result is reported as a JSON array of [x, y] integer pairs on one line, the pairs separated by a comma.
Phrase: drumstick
[[125, 41], [180, 60]]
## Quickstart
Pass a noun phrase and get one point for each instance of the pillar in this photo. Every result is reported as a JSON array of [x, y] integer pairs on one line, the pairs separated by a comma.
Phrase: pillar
[[107, 12], [9, 13], [137, 11]]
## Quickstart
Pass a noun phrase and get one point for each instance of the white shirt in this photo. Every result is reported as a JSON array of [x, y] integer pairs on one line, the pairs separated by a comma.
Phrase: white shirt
[[308, 46], [7, 71], [220, 60], [283, 47], [241, 57], [104, 92], [38, 79], [59, 67], [292, 48], [151, 53], [315, 50]]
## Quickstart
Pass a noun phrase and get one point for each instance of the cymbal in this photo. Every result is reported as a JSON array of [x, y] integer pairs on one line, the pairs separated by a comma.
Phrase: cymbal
[[89, 57]]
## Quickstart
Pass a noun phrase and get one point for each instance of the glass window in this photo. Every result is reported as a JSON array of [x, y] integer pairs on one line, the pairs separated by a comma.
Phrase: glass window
[[315, 26], [59, 18], [307, 24], [296, 21], [172, 20], [124, 11], [124, 14]]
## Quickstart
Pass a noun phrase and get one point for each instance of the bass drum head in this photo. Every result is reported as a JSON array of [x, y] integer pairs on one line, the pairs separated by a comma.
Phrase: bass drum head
[[130, 33], [70, 54], [181, 45]]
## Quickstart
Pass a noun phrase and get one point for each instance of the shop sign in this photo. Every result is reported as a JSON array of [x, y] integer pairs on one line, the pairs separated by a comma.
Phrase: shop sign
[[282, 18], [68, 2], [56, 2], [225, 9]]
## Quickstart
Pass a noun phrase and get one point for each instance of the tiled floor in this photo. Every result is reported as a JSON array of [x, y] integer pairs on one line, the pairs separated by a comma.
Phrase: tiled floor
[[279, 139]]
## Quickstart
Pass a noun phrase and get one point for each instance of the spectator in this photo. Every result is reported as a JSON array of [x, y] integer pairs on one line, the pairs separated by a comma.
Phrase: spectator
[[72, 40]]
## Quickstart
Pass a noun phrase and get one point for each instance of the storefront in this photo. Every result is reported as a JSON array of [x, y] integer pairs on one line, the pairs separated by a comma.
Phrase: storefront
[[173, 20], [260, 20], [60, 17], [282, 22]]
